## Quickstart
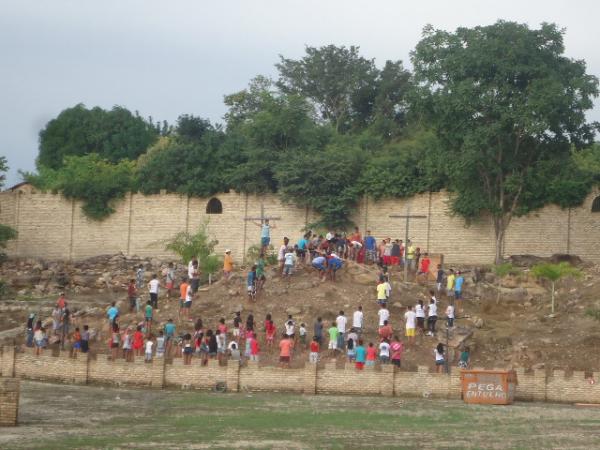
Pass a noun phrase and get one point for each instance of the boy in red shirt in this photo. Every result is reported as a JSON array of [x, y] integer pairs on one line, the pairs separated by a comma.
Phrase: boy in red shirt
[[313, 356], [371, 354], [254, 349]]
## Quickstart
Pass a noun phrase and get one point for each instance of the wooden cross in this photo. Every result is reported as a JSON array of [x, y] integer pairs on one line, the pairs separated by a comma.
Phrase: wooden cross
[[406, 216], [262, 217]]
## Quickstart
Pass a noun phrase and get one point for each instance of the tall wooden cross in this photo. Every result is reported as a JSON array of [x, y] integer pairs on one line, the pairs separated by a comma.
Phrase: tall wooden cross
[[406, 216], [262, 219]]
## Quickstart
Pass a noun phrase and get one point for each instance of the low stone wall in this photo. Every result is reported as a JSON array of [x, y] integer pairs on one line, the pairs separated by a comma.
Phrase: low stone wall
[[312, 379], [9, 401]]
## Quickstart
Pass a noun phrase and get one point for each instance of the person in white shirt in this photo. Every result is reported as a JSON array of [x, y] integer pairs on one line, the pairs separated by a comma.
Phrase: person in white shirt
[[450, 316], [341, 322], [388, 288], [384, 351], [153, 289], [289, 262], [281, 254], [431, 317], [383, 314], [357, 320], [149, 345], [410, 318]]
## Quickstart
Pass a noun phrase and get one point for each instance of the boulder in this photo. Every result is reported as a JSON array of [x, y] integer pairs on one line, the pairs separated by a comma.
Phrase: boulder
[[477, 322], [397, 305], [365, 279], [26, 280], [293, 310], [84, 280]]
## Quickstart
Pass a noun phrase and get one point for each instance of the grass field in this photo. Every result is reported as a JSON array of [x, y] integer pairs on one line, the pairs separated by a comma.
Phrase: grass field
[[61, 417]]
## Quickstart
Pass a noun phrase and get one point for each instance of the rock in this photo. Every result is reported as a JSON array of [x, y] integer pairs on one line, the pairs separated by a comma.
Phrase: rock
[[535, 290], [365, 279], [84, 280], [321, 294], [478, 322], [233, 292], [527, 304], [235, 308], [489, 277], [397, 305], [293, 310], [25, 280], [303, 285]]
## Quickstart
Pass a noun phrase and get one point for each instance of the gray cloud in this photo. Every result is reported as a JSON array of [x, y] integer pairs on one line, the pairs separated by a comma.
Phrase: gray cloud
[[167, 58]]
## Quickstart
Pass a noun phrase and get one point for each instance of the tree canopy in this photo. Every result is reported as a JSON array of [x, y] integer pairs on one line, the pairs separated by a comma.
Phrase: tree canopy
[[493, 114], [508, 108]]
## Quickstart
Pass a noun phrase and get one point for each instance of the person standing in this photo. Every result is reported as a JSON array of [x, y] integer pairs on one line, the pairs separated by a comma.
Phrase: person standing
[[140, 276], [319, 330], [384, 314], [285, 351], [431, 317], [396, 349], [450, 283], [410, 317], [170, 279], [132, 295], [194, 274], [227, 265], [281, 254], [370, 248], [458, 288], [153, 286], [357, 320], [341, 322], [30, 323]]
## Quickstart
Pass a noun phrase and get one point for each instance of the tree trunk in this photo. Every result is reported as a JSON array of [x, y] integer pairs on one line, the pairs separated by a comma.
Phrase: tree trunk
[[553, 297], [209, 279], [499, 230]]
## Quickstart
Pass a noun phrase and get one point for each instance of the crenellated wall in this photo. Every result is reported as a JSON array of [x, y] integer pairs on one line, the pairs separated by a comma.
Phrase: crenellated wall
[[312, 379]]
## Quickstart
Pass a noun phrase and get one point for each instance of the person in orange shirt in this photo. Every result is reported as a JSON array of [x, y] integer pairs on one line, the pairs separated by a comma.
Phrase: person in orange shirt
[[227, 264], [182, 295], [285, 351]]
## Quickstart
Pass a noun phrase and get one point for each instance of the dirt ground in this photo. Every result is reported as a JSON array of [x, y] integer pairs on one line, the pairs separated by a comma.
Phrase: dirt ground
[[515, 332], [89, 417]]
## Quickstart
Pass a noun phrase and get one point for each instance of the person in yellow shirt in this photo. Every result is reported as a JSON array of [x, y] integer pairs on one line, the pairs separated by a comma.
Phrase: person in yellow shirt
[[450, 283], [410, 255], [227, 264], [381, 291]]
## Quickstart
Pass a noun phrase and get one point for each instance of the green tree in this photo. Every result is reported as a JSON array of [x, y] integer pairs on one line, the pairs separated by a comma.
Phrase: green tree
[[114, 135], [506, 104], [333, 78], [3, 170], [6, 234], [188, 246], [554, 273], [88, 178]]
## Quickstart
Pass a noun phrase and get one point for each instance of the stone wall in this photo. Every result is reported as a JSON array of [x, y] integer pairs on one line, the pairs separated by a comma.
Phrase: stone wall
[[312, 379], [53, 227], [9, 401]]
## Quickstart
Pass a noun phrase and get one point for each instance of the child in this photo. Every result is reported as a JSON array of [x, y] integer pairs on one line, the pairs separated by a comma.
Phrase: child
[[302, 333], [350, 351], [384, 351], [149, 344], [289, 259], [40, 339], [223, 331], [160, 345], [250, 323], [170, 279], [260, 272], [432, 317], [450, 316], [187, 348], [463, 363], [237, 320], [85, 339], [148, 316], [439, 279], [333, 338], [76, 342], [115, 340], [313, 356], [270, 333], [371, 354], [234, 351], [254, 349], [132, 294], [381, 291], [383, 313], [439, 357], [183, 288], [396, 349], [221, 344], [138, 341], [248, 349], [251, 283], [213, 346], [127, 345], [290, 328], [410, 317], [388, 288], [361, 355]]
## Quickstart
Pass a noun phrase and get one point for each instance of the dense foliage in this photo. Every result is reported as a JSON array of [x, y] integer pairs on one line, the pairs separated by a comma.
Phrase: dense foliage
[[494, 114]]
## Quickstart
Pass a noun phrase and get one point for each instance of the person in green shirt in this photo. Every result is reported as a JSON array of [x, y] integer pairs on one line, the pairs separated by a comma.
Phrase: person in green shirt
[[148, 316], [463, 363], [333, 337], [260, 272]]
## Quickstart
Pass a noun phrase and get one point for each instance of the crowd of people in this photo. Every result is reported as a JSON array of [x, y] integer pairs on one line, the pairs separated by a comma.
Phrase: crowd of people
[[247, 339]]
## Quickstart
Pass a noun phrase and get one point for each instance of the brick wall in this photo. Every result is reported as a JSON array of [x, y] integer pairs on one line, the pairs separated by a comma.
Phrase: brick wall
[[50, 226], [9, 401], [322, 379]]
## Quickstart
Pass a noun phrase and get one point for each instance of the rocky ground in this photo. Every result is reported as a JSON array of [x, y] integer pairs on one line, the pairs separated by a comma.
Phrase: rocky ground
[[515, 329]]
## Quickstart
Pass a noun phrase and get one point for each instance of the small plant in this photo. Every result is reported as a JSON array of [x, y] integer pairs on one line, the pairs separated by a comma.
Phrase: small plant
[[254, 252], [555, 272], [210, 264], [188, 245], [594, 313]]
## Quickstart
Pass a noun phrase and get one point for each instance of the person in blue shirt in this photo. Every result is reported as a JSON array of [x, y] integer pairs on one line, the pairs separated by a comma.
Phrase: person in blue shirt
[[251, 282], [458, 285], [112, 313], [302, 248], [320, 264], [361, 355], [334, 263], [265, 234], [169, 330], [370, 248]]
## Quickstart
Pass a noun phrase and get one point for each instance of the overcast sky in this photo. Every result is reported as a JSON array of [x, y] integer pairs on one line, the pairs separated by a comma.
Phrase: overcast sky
[[165, 58]]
